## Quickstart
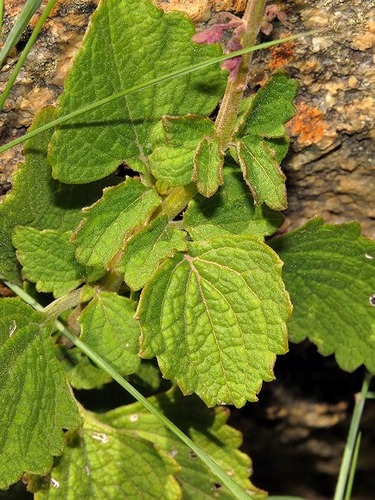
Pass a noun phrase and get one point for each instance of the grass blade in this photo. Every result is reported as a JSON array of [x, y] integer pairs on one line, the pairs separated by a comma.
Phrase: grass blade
[[1, 15], [351, 439], [150, 83], [26, 51], [349, 487], [23, 19]]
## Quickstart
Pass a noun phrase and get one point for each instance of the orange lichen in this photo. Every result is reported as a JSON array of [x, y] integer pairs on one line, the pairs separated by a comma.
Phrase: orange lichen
[[308, 126], [280, 55]]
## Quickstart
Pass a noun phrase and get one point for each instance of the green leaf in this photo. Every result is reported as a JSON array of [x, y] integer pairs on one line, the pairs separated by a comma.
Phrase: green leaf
[[208, 163], [216, 318], [261, 172], [230, 211], [207, 428], [101, 461], [173, 165], [147, 376], [146, 249], [81, 373], [39, 201], [109, 328], [129, 42], [261, 140], [271, 108], [35, 402], [186, 130], [110, 221], [173, 158], [330, 273], [48, 259]]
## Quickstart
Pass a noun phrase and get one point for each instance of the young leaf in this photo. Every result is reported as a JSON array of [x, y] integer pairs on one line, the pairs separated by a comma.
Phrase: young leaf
[[48, 259], [101, 461], [39, 201], [257, 152], [109, 327], [230, 211], [215, 318], [261, 172], [129, 42], [173, 158], [35, 402], [271, 108], [330, 273], [146, 249], [209, 431], [173, 165], [109, 221], [208, 165]]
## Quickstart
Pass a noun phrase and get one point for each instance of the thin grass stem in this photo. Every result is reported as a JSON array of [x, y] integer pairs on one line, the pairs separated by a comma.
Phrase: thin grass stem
[[66, 118], [16, 32], [26, 51], [1, 16], [351, 439], [353, 466]]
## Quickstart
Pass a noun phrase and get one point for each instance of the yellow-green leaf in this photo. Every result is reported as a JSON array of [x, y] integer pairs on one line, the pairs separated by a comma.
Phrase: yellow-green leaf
[[48, 259], [110, 221], [109, 328], [215, 318], [329, 271], [35, 402], [129, 42]]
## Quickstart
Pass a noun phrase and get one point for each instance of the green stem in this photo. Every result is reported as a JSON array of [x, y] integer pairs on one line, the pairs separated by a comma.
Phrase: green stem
[[22, 21], [351, 439], [233, 487], [58, 306], [113, 280], [24, 296], [150, 83], [26, 51], [349, 487], [176, 201], [226, 119], [1, 15]]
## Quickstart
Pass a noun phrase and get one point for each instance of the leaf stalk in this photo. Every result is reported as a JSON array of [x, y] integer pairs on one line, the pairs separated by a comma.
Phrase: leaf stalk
[[58, 306]]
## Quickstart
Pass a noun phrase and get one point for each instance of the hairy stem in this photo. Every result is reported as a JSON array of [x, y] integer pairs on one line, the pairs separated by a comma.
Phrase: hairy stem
[[229, 107]]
